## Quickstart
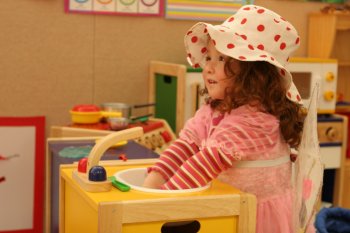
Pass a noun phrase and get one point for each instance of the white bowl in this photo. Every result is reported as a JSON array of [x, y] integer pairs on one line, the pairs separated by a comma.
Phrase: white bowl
[[118, 123], [134, 178]]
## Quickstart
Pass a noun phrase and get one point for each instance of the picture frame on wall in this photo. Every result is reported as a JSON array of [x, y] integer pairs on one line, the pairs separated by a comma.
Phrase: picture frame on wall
[[205, 10], [22, 149], [116, 7]]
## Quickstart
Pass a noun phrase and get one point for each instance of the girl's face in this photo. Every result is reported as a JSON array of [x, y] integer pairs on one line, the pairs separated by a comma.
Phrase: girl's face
[[215, 78]]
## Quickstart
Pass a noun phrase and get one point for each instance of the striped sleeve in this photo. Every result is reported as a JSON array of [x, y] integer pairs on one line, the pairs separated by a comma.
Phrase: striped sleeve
[[199, 170], [173, 157]]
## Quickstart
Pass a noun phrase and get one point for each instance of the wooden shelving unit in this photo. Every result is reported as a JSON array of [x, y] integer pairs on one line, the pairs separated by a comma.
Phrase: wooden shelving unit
[[323, 32], [328, 37]]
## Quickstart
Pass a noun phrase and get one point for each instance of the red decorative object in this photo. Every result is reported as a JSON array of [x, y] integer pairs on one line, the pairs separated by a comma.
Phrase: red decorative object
[[123, 157], [166, 136], [23, 140], [82, 165], [86, 108]]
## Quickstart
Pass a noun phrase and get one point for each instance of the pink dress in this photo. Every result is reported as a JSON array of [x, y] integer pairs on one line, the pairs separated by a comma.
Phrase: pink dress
[[243, 135], [271, 185]]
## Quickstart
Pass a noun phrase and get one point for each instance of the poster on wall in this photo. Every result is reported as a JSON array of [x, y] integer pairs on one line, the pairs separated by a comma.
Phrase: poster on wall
[[116, 7], [22, 150], [206, 10]]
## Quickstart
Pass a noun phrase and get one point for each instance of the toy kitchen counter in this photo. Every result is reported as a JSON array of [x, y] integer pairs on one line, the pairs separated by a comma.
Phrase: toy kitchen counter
[[157, 134], [220, 208], [90, 201]]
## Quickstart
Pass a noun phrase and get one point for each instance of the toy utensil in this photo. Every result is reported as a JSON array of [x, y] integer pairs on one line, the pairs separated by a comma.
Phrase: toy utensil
[[119, 185], [142, 118]]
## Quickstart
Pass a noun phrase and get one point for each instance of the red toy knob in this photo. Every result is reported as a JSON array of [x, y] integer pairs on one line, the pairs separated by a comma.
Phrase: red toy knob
[[82, 165], [166, 136]]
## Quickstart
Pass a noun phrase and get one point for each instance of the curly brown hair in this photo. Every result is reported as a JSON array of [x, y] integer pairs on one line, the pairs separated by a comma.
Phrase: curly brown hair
[[259, 84]]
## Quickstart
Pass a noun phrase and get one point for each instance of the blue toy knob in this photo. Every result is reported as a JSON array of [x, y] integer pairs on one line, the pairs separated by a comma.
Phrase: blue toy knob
[[97, 173]]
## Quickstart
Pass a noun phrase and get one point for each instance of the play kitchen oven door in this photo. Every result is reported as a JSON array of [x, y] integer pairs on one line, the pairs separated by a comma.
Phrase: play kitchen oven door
[[330, 134], [307, 72]]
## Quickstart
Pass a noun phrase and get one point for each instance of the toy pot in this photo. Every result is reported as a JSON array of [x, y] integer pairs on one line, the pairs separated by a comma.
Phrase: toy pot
[[90, 114], [124, 108]]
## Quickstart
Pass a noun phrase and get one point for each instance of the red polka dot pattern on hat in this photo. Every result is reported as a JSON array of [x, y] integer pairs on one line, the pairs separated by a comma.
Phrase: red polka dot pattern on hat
[[277, 37], [289, 94], [283, 46], [261, 28], [253, 34], [244, 37], [283, 72], [298, 98], [230, 46], [261, 47]]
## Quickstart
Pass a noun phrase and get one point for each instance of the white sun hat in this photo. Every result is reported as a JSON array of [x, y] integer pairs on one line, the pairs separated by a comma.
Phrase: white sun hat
[[254, 33]]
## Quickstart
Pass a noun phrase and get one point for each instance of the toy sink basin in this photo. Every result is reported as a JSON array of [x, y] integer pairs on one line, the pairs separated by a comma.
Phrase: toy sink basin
[[134, 178]]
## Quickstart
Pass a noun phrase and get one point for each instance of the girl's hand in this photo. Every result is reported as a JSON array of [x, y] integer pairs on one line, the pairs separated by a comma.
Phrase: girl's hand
[[154, 180]]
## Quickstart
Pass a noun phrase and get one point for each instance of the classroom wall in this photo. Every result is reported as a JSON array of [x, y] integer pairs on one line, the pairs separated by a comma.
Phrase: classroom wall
[[51, 60]]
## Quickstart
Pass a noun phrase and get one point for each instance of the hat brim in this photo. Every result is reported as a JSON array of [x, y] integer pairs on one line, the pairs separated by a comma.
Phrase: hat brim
[[196, 41]]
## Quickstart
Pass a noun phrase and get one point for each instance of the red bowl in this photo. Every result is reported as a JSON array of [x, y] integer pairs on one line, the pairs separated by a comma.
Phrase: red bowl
[[86, 108]]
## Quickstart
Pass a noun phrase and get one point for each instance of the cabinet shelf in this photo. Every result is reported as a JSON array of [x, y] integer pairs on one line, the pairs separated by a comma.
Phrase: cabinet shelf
[[347, 163], [323, 30], [344, 63], [328, 37]]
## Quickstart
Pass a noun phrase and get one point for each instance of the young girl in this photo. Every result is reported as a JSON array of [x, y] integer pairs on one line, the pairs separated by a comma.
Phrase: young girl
[[251, 119]]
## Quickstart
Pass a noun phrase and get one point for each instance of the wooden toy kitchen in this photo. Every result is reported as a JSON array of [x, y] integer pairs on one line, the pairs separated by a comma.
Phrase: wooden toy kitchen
[[93, 197], [89, 204], [92, 203]]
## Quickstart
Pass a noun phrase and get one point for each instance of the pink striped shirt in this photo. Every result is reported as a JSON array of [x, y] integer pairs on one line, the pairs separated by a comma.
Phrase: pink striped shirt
[[210, 144]]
